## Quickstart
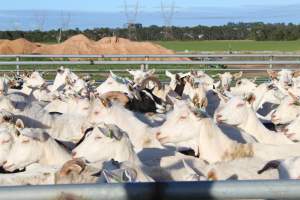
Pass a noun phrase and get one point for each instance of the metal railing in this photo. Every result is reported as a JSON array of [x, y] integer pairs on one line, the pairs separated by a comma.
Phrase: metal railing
[[145, 62], [145, 55], [289, 189]]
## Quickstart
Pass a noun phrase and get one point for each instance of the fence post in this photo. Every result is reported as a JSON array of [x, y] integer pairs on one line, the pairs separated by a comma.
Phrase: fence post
[[17, 66], [147, 66], [271, 59]]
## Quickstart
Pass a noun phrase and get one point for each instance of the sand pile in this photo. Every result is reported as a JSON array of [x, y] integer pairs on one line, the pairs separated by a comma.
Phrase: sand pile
[[18, 46], [80, 44], [115, 45]]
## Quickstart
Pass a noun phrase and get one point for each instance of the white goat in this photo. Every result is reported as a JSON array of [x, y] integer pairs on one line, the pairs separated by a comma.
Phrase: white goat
[[35, 146]]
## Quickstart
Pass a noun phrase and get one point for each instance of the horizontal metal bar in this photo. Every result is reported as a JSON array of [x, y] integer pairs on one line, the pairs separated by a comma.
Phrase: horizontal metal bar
[[168, 191], [257, 62], [146, 55], [157, 70]]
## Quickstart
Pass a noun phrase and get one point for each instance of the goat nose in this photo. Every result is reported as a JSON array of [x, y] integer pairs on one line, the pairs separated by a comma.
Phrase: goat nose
[[273, 116], [4, 162], [218, 116], [73, 154], [285, 130], [158, 134]]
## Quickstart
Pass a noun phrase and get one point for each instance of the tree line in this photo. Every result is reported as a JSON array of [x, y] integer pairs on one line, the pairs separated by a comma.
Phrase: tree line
[[232, 31]]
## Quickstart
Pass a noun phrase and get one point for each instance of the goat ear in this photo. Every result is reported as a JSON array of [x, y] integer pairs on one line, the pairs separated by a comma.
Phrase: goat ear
[[204, 103], [131, 72], [151, 72], [92, 97], [6, 116], [272, 74], [194, 72], [172, 97], [216, 75], [105, 131], [169, 74], [117, 176], [233, 177], [212, 175], [296, 74], [111, 73], [190, 80], [105, 102], [199, 114], [112, 131], [188, 168], [253, 80], [130, 87], [19, 124], [60, 70], [250, 98], [238, 75], [129, 175], [35, 134]]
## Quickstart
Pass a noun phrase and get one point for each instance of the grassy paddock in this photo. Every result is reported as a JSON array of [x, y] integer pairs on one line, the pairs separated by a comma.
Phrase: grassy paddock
[[233, 45]]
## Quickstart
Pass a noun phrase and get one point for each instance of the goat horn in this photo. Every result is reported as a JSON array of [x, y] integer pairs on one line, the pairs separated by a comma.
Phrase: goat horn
[[116, 96], [76, 165], [153, 79], [26, 73], [273, 164], [296, 74]]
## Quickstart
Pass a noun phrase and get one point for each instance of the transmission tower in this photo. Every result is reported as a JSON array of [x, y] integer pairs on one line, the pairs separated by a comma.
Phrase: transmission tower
[[168, 14], [40, 18], [131, 19]]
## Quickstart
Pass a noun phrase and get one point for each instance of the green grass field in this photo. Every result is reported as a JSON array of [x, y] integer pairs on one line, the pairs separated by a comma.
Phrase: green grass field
[[234, 45]]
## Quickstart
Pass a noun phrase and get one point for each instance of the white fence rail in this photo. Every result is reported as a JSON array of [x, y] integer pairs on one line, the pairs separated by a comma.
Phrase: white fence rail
[[267, 60], [158, 191]]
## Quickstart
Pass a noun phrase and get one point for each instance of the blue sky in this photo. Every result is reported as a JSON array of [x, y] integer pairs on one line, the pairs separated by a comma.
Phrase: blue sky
[[146, 5], [22, 14]]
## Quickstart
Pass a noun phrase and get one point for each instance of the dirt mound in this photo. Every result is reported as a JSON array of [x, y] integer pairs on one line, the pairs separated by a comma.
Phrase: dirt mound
[[80, 44], [113, 40], [114, 45], [18, 46]]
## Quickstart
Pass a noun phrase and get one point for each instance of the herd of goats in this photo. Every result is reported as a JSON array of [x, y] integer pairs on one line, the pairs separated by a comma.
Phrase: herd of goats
[[194, 128]]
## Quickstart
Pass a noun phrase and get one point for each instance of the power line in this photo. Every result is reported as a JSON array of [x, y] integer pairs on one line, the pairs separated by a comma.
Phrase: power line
[[131, 19], [168, 14]]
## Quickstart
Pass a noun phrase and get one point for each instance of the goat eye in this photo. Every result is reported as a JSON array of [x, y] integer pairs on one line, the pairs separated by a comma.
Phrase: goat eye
[[18, 133], [5, 141], [98, 137], [25, 141], [96, 112], [296, 103], [182, 117], [85, 108], [240, 105]]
